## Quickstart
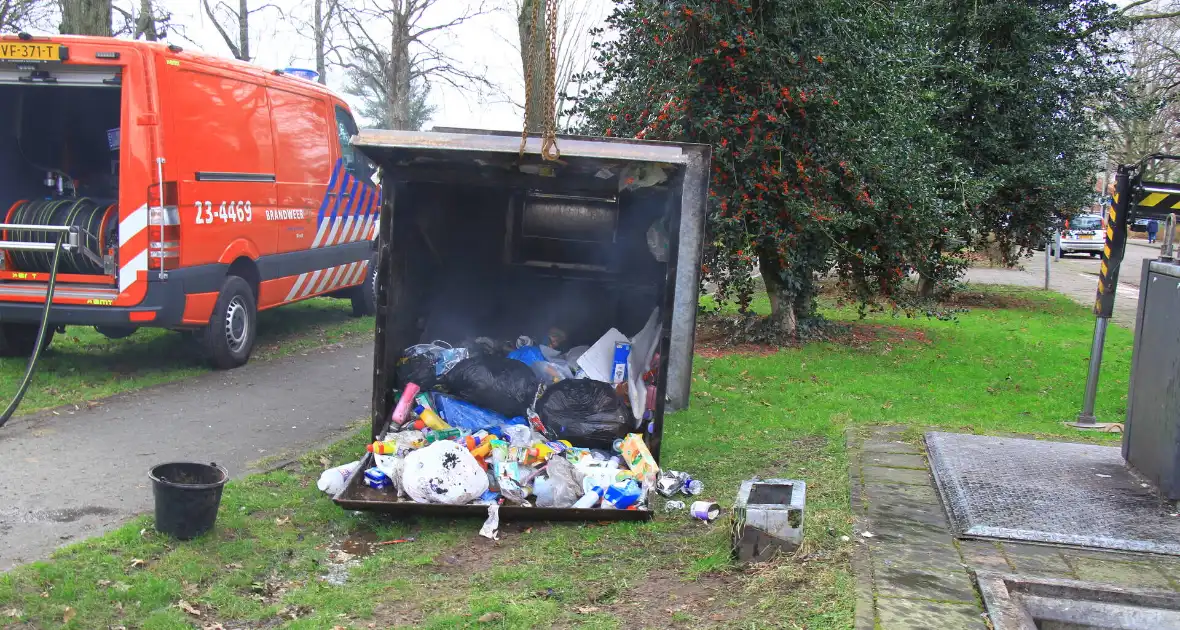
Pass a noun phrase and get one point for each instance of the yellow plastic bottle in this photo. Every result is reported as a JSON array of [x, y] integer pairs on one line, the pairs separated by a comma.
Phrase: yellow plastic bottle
[[431, 419]]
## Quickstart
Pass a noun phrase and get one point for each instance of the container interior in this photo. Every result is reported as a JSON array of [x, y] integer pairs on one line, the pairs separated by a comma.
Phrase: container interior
[[484, 245]]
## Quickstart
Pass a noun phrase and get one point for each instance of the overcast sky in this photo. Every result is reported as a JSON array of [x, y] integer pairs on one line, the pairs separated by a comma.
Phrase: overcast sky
[[485, 43]]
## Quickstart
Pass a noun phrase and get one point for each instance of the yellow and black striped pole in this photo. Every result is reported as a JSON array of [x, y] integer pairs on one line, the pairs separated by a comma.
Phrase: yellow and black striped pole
[[1115, 244], [1108, 280]]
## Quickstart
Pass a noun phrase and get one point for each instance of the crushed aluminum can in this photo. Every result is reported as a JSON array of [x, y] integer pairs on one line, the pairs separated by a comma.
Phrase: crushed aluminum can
[[671, 482], [668, 484], [673, 506]]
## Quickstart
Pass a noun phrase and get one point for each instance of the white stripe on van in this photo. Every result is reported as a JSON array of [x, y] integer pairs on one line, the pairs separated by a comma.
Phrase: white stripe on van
[[311, 283], [323, 286], [129, 272], [349, 270], [135, 223], [360, 227], [295, 289]]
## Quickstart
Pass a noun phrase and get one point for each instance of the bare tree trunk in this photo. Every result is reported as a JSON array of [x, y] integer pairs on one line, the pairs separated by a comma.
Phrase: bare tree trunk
[[534, 57], [145, 22], [321, 66], [782, 300], [244, 30], [86, 17], [398, 88]]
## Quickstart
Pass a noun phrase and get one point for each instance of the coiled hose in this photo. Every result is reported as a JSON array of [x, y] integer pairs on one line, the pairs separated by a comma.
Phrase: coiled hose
[[24, 385], [97, 223]]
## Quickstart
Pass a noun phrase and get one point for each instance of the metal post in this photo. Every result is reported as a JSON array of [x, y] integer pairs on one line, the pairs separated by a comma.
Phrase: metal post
[[1086, 418], [1047, 260], [1057, 245], [1168, 246], [1108, 279]]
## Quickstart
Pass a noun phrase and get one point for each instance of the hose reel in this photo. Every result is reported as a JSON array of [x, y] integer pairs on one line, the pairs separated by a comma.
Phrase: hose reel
[[97, 224]]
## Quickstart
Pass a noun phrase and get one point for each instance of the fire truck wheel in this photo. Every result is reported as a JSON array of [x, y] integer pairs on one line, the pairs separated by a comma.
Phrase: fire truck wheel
[[364, 297], [229, 338], [17, 340]]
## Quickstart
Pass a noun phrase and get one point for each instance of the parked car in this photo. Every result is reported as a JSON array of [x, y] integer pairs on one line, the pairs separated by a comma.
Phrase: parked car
[[1082, 234]]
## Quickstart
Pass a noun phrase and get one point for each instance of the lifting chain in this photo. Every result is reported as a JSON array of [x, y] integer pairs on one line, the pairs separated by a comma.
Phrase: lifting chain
[[549, 150]]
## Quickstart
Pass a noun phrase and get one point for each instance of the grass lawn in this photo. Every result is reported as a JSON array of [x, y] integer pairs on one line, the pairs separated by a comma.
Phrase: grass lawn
[[82, 365], [780, 414]]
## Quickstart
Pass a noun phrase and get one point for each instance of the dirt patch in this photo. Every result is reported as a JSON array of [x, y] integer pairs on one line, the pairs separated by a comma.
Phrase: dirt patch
[[668, 600], [393, 613], [860, 335], [716, 337], [987, 299]]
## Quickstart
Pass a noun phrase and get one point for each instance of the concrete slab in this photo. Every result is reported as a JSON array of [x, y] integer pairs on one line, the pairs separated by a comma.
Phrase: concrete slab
[[913, 614]]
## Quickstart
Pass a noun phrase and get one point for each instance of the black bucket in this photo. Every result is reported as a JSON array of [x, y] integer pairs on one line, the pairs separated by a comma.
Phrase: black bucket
[[187, 497]]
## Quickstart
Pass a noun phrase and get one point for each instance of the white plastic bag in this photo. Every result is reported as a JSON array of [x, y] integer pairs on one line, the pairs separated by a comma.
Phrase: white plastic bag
[[491, 527], [443, 472], [560, 487]]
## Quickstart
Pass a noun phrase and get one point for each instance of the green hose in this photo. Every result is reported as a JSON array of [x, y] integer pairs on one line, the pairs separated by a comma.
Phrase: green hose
[[24, 386]]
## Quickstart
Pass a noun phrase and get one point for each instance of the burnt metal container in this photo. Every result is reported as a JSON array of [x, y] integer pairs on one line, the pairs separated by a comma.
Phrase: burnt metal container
[[477, 238], [1151, 436]]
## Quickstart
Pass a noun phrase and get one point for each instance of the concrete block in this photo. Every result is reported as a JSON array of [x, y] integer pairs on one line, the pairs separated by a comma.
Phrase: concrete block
[[768, 518]]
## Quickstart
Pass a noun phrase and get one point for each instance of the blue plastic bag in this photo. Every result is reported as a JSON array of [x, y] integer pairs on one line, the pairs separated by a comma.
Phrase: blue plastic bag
[[527, 355], [464, 415]]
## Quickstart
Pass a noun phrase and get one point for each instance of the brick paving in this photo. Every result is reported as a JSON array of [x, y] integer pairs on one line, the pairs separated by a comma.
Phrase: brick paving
[[912, 574]]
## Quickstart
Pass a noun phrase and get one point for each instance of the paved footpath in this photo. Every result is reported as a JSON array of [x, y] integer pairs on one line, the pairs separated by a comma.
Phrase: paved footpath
[[913, 574], [71, 476], [1076, 276]]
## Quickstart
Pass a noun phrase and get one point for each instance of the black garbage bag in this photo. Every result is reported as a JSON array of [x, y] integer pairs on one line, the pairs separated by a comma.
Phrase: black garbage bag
[[499, 384], [587, 413], [417, 369]]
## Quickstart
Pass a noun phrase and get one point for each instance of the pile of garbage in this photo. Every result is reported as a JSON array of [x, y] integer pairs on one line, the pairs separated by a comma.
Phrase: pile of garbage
[[524, 424]]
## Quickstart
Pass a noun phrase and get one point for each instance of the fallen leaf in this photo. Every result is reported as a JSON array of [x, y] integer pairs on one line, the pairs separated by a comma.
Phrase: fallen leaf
[[325, 462], [136, 563], [44, 594], [490, 617], [717, 617], [213, 626], [188, 608], [586, 610], [69, 615], [121, 586], [233, 566], [12, 612], [103, 583], [283, 520]]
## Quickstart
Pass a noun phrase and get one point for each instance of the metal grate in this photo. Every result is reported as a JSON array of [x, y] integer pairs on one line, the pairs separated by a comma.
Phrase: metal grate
[[1049, 492]]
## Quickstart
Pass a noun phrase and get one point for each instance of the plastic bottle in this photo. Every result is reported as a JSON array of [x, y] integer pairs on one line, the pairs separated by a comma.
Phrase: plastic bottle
[[334, 479], [382, 448], [518, 435], [402, 410], [590, 499], [693, 487], [431, 419]]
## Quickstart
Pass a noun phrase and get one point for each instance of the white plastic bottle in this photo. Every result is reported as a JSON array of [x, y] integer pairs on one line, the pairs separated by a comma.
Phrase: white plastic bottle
[[334, 479]]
